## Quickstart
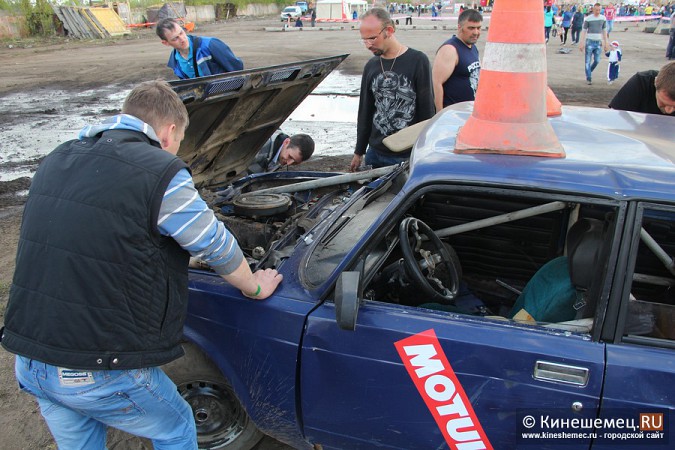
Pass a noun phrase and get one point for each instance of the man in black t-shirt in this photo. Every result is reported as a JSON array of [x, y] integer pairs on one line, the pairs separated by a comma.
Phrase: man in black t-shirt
[[396, 91], [648, 92]]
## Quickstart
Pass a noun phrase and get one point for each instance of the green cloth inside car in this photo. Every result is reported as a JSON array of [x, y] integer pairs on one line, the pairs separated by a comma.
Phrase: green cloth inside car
[[549, 296]]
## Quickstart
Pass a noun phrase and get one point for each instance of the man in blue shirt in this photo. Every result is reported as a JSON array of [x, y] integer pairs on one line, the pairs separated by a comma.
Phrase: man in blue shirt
[[195, 56]]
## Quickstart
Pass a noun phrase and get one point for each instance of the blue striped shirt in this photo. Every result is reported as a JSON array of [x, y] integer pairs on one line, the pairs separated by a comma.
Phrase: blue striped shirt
[[186, 218]]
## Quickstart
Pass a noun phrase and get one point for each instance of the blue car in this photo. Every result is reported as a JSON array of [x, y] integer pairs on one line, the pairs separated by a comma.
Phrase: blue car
[[456, 301], [303, 6]]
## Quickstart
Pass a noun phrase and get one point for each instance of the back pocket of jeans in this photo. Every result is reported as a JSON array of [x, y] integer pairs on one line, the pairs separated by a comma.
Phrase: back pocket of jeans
[[117, 409]]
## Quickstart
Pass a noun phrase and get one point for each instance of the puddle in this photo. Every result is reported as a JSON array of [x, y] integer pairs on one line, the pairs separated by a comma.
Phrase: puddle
[[44, 119], [328, 114]]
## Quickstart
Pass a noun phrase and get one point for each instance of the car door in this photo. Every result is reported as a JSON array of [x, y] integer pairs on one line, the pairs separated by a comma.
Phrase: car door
[[638, 405], [357, 393]]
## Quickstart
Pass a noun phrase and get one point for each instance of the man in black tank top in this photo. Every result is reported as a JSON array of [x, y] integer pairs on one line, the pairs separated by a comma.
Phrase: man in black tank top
[[456, 66]]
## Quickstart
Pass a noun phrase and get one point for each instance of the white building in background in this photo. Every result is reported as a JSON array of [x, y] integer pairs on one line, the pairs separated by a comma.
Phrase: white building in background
[[339, 9]]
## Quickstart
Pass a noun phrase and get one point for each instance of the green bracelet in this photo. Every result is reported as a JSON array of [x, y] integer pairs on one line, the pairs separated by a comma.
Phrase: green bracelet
[[256, 292]]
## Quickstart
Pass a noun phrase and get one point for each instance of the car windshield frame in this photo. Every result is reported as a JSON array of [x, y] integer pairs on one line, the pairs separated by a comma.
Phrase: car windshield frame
[[356, 217]]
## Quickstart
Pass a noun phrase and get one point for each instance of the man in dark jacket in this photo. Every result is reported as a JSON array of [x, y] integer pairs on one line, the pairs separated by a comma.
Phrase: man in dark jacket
[[99, 294], [282, 150], [195, 56], [577, 25], [650, 92], [670, 48]]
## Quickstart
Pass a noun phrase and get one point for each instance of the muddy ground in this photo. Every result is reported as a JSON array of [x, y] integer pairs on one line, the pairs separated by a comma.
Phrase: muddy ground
[[37, 67]]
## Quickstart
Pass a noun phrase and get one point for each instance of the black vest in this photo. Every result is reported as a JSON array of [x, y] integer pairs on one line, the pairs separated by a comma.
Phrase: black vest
[[462, 84], [96, 286]]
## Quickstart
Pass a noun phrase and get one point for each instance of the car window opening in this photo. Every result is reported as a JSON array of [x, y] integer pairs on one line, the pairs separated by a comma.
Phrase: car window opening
[[508, 257], [651, 302]]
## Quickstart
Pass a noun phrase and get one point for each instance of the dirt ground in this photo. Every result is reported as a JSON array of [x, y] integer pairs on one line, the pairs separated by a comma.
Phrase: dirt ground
[[67, 64]]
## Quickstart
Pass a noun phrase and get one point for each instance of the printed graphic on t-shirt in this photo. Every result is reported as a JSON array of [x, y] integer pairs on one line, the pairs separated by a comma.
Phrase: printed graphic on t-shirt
[[474, 71], [394, 102]]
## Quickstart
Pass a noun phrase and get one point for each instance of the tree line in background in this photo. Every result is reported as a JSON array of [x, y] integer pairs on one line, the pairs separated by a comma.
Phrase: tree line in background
[[38, 14]]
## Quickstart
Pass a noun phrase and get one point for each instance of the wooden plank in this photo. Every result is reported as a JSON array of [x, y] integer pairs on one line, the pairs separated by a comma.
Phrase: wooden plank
[[59, 14], [73, 23], [78, 27], [110, 21], [67, 23], [93, 24]]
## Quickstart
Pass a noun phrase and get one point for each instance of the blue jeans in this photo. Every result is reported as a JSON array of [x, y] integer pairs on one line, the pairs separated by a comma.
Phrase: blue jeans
[[78, 405], [376, 159], [575, 35], [593, 48], [670, 49]]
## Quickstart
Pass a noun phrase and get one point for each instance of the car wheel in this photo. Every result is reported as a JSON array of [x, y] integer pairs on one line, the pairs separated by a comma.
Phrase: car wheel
[[222, 422]]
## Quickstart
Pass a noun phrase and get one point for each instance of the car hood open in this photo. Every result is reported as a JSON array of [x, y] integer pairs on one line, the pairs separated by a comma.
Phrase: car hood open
[[232, 115]]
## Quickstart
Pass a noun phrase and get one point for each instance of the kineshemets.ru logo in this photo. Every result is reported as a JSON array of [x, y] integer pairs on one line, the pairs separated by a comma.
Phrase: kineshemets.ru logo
[[620, 426]]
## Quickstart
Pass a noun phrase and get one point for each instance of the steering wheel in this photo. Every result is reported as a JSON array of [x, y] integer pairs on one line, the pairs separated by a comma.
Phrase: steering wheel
[[437, 271]]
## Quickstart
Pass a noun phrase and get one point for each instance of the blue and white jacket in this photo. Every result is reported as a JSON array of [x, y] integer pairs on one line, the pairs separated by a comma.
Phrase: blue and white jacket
[[211, 56]]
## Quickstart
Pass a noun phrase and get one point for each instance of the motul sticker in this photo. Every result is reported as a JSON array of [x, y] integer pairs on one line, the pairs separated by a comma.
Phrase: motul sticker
[[438, 385]]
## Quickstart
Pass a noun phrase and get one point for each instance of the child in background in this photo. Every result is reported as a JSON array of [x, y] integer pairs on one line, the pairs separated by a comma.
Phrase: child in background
[[614, 58]]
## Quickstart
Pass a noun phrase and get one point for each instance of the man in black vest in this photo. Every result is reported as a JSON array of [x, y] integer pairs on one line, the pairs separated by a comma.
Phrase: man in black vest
[[456, 66], [99, 294]]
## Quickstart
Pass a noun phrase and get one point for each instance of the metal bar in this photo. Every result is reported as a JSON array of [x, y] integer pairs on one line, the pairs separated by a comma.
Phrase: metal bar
[[503, 218], [328, 181], [652, 279], [660, 253], [508, 287]]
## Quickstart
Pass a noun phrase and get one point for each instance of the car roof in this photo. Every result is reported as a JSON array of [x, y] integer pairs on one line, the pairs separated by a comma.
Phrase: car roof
[[609, 153]]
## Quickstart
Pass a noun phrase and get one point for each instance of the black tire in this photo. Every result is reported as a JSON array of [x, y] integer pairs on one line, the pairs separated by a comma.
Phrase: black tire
[[221, 420]]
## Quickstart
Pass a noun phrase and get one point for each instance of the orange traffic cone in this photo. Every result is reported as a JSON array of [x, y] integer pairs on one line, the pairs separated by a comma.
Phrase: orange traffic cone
[[509, 114], [553, 105]]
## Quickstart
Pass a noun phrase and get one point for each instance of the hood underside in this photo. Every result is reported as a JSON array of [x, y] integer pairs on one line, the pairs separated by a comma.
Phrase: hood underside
[[232, 115]]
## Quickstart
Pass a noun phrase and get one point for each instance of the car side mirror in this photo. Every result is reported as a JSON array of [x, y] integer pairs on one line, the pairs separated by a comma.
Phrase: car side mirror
[[347, 300]]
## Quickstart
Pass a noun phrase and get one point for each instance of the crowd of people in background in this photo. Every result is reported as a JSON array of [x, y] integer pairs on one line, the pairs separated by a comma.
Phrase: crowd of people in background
[[434, 8], [562, 18], [593, 25], [622, 9]]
